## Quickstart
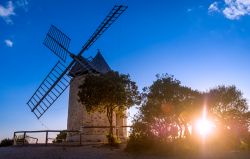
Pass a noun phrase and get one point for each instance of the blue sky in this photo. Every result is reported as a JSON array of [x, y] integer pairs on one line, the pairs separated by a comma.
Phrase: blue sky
[[202, 43]]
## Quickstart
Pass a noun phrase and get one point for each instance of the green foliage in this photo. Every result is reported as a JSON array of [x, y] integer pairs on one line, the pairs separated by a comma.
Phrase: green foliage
[[60, 137], [6, 142], [109, 93], [226, 98], [178, 147], [169, 109], [164, 115], [167, 97], [167, 103], [229, 107], [108, 90], [113, 140]]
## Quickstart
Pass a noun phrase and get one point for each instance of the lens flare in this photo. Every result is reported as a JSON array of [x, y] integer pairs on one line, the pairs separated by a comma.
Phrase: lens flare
[[203, 126]]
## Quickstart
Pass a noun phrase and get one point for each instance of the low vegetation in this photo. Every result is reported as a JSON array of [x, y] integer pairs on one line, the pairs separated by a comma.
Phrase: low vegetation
[[166, 122], [61, 137], [6, 142]]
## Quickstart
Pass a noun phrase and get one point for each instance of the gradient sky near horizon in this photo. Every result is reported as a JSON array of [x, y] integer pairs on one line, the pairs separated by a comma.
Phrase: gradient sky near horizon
[[202, 43]]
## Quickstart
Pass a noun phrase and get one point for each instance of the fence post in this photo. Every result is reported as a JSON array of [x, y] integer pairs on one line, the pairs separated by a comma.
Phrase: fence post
[[80, 138], [24, 136], [14, 139], [46, 140]]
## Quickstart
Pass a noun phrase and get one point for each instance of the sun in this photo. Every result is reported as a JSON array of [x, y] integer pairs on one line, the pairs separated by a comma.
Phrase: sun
[[204, 126]]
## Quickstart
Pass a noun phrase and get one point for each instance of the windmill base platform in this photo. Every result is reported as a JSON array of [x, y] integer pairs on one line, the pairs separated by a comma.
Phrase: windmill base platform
[[95, 134]]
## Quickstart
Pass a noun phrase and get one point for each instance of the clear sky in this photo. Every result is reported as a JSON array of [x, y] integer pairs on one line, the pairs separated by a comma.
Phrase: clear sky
[[202, 43]]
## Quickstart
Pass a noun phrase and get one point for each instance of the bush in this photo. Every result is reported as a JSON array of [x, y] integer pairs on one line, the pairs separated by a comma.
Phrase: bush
[[150, 145], [139, 145], [113, 140], [60, 137], [6, 142]]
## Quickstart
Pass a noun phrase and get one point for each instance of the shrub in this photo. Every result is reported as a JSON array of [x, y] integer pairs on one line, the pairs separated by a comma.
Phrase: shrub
[[60, 137], [113, 140], [6, 142]]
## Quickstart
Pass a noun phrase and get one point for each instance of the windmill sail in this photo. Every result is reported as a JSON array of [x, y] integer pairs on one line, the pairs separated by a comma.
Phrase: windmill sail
[[58, 79], [51, 88], [57, 42], [106, 23]]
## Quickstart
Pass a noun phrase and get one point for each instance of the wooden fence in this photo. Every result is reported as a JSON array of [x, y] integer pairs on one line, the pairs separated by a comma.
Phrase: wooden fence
[[22, 138]]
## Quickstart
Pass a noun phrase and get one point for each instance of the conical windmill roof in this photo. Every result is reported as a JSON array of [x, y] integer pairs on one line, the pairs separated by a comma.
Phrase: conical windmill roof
[[100, 64], [97, 64]]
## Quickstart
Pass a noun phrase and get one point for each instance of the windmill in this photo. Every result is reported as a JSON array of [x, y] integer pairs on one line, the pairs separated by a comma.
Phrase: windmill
[[58, 79]]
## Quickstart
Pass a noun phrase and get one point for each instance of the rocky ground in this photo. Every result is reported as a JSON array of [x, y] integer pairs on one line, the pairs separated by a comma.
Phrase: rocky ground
[[95, 151]]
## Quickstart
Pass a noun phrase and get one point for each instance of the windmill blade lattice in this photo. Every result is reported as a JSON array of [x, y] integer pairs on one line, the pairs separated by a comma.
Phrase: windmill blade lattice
[[57, 42], [58, 79], [110, 19], [51, 88]]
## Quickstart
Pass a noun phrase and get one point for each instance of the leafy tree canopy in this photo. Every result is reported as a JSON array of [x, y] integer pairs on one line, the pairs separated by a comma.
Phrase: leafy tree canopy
[[166, 96], [226, 98], [169, 109], [110, 92], [229, 107]]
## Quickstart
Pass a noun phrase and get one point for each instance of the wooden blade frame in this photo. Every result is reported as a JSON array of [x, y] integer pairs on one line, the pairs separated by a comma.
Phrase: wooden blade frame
[[58, 80], [57, 42], [51, 88]]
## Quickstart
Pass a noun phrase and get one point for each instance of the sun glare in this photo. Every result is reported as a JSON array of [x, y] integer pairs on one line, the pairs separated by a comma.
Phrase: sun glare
[[204, 126]]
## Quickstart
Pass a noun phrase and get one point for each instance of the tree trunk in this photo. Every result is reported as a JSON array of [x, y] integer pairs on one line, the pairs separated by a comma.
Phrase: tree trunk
[[110, 119], [186, 130], [111, 124], [180, 128]]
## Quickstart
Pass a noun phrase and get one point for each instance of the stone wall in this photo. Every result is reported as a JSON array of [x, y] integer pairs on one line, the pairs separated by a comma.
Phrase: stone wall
[[78, 118]]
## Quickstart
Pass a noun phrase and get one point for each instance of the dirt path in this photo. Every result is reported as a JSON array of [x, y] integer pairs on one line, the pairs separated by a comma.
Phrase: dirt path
[[94, 152]]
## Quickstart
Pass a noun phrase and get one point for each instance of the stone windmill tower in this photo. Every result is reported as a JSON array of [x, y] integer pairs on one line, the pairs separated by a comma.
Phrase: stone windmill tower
[[78, 117], [61, 76]]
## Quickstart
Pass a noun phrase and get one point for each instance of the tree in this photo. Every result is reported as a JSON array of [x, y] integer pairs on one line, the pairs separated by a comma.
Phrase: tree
[[167, 98], [164, 115], [110, 92], [226, 98], [228, 105], [168, 110]]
